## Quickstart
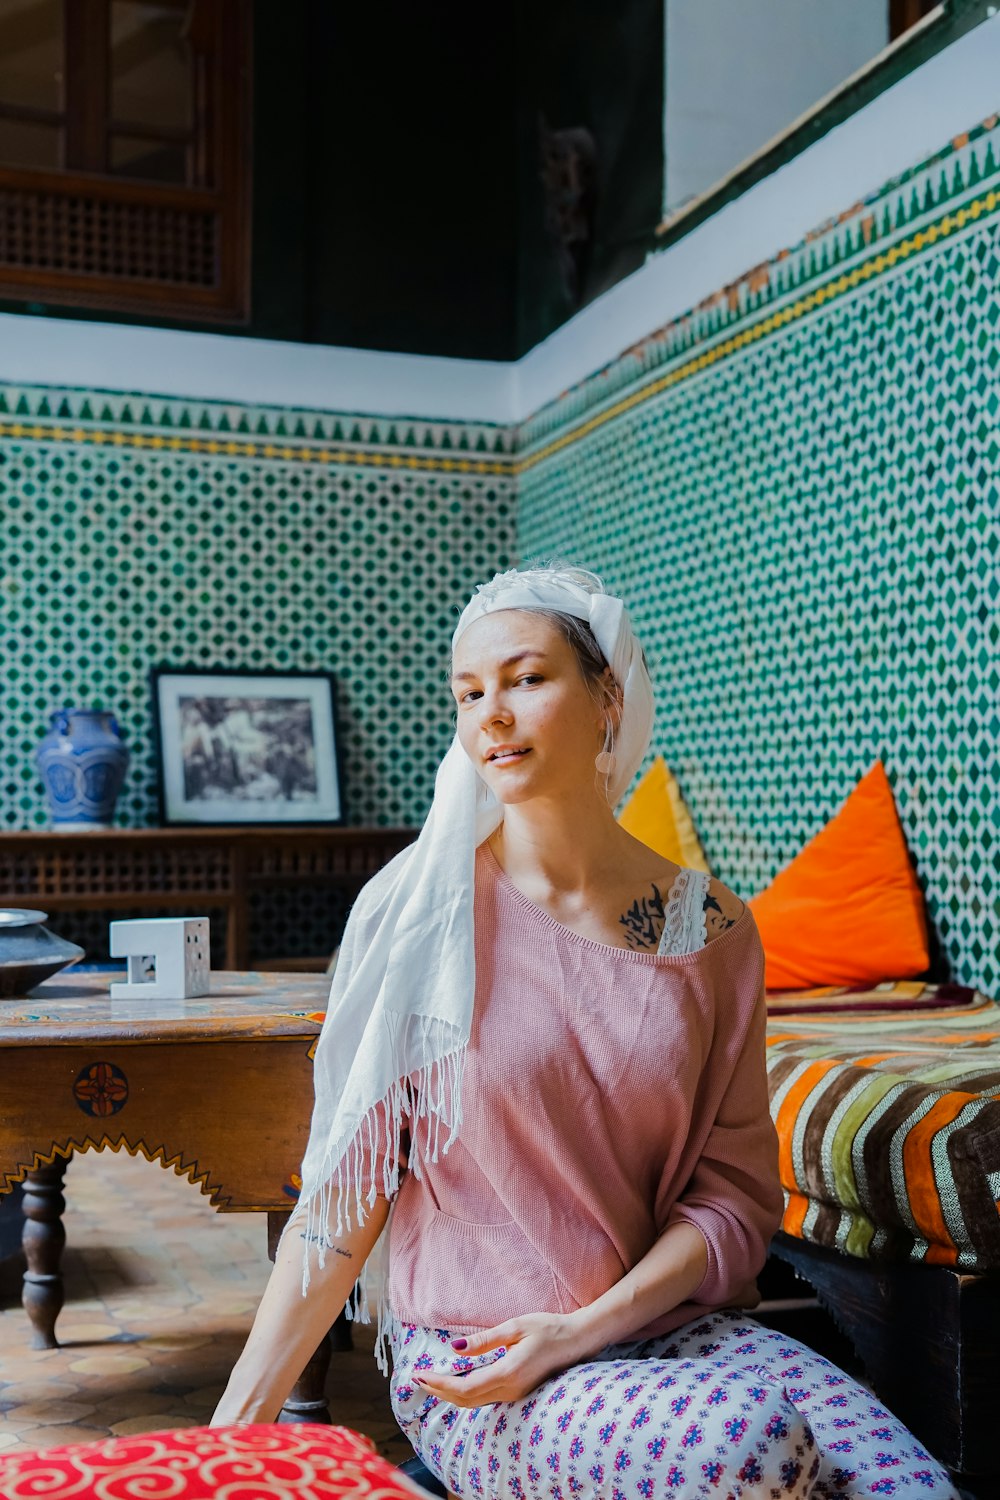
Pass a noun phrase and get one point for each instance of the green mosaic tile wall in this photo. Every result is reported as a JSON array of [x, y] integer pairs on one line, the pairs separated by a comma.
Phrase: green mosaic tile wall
[[796, 488], [139, 531]]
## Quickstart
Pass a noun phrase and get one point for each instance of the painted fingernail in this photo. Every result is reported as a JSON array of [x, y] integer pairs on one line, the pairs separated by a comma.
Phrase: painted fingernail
[[460, 1343]]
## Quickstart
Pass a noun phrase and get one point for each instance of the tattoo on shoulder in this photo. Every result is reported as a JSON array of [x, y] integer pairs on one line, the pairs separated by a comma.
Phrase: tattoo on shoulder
[[716, 920], [643, 922]]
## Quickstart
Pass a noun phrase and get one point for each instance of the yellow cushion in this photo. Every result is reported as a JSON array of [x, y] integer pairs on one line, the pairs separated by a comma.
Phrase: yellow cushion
[[657, 815]]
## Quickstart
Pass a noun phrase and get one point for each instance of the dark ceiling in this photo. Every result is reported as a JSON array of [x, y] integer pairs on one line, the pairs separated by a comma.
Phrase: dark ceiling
[[399, 157]]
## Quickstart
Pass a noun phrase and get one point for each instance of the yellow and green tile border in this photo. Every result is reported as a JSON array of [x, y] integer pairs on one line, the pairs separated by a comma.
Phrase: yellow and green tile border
[[942, 197], [937, 201], [221, 430]]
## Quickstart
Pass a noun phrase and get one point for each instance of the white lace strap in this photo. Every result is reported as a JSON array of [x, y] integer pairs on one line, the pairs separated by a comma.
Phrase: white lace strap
[[685, 929]]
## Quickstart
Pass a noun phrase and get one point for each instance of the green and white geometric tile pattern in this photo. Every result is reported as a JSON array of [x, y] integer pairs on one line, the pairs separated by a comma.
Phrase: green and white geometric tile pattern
[[239, 538], [796, 487], [804, 519]]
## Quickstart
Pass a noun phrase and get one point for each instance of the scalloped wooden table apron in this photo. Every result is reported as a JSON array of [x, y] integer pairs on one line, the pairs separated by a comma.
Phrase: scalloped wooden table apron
[[219, 1088]]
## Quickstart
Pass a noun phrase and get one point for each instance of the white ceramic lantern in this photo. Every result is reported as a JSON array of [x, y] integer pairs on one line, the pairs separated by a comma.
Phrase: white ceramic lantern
[[168, 958]]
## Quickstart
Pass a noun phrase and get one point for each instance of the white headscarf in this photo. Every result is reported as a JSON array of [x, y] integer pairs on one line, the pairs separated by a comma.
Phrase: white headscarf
[[400, 1006]]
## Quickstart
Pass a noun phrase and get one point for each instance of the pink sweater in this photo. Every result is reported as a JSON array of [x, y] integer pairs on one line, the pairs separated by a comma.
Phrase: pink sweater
[[607, 1094]]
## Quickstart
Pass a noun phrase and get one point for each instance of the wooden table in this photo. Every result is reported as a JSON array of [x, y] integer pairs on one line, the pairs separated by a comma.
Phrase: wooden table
[[188, 870], [218, 1088]]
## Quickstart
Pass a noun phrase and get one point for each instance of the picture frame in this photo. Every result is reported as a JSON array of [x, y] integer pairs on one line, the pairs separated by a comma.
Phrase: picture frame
[[251, 747]]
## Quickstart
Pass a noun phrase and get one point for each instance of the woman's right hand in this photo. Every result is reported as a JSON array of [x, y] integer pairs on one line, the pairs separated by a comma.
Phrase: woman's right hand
[[535, 1346]]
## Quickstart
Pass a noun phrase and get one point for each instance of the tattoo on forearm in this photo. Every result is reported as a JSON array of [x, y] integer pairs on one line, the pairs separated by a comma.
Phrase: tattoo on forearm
[[643, 922], [327, 1244]]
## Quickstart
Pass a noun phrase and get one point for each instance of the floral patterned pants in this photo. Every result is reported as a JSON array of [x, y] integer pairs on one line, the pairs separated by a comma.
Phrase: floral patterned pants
[[721, 1408]]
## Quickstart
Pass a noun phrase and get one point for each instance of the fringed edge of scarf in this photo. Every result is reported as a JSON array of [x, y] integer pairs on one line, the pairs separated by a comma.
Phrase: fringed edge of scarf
[[429, 1099]]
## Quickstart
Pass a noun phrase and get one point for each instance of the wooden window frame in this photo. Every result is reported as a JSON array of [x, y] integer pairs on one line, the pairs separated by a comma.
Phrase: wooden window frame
[[139, 234]]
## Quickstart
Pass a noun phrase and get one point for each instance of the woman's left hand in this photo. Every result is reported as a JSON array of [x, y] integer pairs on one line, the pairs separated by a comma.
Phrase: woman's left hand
[[536, 1346]]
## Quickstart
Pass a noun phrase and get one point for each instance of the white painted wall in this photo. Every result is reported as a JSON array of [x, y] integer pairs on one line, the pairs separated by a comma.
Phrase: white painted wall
[[738, 72], [216, 366], [916, 117]]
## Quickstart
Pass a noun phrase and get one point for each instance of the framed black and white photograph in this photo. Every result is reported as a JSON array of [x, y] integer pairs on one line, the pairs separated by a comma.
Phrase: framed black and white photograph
[[246, 747]]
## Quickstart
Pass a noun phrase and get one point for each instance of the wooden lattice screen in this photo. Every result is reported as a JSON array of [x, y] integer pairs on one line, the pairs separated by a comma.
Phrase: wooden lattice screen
[[84, 235]]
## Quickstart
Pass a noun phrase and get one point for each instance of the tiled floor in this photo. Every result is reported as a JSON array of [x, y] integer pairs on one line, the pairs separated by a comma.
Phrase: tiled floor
[[160, 1293]]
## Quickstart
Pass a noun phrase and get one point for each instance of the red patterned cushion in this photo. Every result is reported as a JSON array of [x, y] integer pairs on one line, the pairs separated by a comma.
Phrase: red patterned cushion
[[201, 1463]]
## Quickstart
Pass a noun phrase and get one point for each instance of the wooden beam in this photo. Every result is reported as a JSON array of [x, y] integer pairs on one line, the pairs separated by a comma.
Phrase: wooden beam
[[86, 23]]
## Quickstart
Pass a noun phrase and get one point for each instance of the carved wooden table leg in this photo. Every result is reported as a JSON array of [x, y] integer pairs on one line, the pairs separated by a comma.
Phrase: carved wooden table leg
[[43, 1239], [307, 1402], [341, 1338]]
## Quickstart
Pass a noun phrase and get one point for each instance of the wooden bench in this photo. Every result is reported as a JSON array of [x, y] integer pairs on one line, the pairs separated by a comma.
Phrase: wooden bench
[[889, 1137]]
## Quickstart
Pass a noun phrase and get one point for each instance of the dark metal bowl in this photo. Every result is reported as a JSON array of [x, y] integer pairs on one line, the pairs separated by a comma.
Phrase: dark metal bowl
[[29, 952]]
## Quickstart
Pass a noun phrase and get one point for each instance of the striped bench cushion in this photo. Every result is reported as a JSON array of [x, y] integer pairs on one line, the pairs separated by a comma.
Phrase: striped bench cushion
[[889, 1128]]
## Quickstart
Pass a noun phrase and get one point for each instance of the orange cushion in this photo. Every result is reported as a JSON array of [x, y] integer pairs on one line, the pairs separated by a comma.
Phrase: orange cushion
[[848, 909], [657, 815]]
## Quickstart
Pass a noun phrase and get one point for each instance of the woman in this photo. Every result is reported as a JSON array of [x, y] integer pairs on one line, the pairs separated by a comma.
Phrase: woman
[[562, 1034]]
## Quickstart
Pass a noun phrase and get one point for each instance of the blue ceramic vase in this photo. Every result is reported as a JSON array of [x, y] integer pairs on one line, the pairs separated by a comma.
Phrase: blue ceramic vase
[[82, 760]]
